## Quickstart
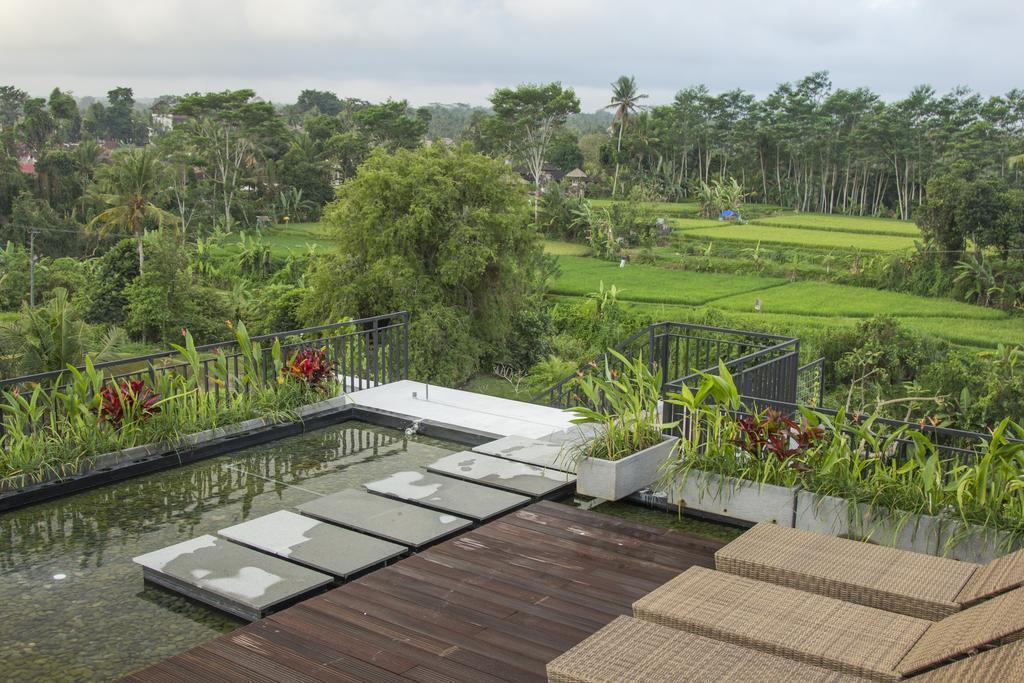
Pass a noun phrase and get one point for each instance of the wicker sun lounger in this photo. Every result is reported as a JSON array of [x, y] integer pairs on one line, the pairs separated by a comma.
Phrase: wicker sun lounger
[[877, 576], [833, 634], [633, 650]]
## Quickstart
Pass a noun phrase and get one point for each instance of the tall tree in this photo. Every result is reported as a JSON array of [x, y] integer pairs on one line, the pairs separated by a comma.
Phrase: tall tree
[[119, 123], [132, 187], [525, 119], [11, 101], [232, 133], [322, 100], [625, 102]]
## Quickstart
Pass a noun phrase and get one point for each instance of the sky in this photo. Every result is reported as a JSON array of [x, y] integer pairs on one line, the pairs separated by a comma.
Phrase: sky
[[460, 50]]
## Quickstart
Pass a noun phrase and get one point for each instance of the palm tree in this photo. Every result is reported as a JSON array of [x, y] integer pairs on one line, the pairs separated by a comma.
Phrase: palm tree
[[626, 102], [132, 187], [52, 337]]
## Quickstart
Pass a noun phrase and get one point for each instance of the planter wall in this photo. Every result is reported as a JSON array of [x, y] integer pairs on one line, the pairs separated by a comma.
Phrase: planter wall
[[919, 533], [822, 514], [616, 479], [737, 498]]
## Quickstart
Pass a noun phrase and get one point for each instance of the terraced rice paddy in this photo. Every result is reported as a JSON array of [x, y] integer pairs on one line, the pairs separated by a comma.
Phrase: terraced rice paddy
[[582, 276], [801, 237], [881, 226], [798, 307]]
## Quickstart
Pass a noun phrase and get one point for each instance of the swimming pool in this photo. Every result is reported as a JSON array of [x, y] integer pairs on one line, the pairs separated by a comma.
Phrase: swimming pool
[[73, 605]]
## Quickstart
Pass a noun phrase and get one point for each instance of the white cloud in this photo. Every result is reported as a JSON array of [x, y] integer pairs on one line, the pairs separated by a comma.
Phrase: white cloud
[[448, 50]]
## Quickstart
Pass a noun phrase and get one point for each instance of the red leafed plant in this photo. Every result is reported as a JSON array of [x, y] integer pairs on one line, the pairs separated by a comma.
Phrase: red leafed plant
[[311, 366], [774, 434], [128, 399]]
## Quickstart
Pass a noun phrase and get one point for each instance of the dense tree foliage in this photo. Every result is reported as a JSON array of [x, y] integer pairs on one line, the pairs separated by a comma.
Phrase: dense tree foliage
[[442, 234]]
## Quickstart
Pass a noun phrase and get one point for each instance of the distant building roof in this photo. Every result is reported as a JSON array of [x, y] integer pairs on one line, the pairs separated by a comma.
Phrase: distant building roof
[[27, 167], [548, 171], [576, 173]]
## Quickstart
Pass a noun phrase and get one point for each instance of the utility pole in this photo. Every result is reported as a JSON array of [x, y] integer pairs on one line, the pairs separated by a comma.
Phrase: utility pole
[[31, 268]]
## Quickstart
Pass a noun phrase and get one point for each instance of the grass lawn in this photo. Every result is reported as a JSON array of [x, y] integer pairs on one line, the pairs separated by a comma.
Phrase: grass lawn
[[668, 520], [581, 276], [880, 226], [559, 248], [803, 237], [493, 385], [665, 208]]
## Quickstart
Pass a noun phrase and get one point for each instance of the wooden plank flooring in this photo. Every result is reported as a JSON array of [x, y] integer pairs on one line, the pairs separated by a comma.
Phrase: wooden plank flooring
[[494, 604]]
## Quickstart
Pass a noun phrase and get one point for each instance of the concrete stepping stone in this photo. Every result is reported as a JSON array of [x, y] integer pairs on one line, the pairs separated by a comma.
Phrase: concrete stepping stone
[[447, 494], [549, 453], [517, 477], [324, 547], [394, 520], [230, 577]]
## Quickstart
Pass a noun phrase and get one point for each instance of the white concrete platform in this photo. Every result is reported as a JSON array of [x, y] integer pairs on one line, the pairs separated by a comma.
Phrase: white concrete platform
[[489, 414]]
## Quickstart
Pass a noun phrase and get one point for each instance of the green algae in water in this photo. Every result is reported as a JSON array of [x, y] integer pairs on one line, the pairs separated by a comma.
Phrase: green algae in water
[[74, 607]]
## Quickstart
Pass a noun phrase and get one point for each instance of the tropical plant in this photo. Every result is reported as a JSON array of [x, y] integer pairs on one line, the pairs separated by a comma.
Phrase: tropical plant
[[129, 400], [255, 257], [132, 187], [53, 336], [51, 429], [622, 400], [311, 366], [291, 204], [978, 278]]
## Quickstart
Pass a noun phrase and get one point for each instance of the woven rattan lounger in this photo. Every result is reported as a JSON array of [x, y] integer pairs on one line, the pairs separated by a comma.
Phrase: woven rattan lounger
[[878, 576], [633, 650], [833, 634]]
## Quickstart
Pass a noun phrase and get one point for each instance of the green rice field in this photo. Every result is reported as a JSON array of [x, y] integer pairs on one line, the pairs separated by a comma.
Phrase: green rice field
[[581, 276], [802, 237], [832, 223], [798, 308], [290, 238]]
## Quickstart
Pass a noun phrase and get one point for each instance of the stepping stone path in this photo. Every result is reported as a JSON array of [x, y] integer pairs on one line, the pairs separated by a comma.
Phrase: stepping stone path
[[394, 520], [446, 494], [230, 577], [553, 451], [324, 547], [517, 477]]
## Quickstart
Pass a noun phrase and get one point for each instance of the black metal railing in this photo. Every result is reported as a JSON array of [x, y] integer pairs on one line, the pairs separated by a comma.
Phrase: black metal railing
[[810, 383], [679, 353], [365, 352]]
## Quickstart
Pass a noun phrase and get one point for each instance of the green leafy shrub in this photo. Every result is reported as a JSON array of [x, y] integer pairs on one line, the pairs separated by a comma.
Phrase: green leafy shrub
[[54, 429], [445, 235], [622, 401]]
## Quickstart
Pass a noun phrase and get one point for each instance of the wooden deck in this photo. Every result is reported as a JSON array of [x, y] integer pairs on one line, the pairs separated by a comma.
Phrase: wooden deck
[[494, 604]]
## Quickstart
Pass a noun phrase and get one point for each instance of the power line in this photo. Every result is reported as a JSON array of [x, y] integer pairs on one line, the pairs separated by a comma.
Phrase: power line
[[30, 228]]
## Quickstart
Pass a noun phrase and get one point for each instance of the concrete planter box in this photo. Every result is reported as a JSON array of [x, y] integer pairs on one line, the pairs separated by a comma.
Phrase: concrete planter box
[[918, 533], [104, 465], [616, 479], [737, 498], [940, 536], [822, 514]]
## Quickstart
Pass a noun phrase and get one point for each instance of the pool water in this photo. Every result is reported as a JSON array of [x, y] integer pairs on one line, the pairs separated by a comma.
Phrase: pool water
[[73, 605]]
